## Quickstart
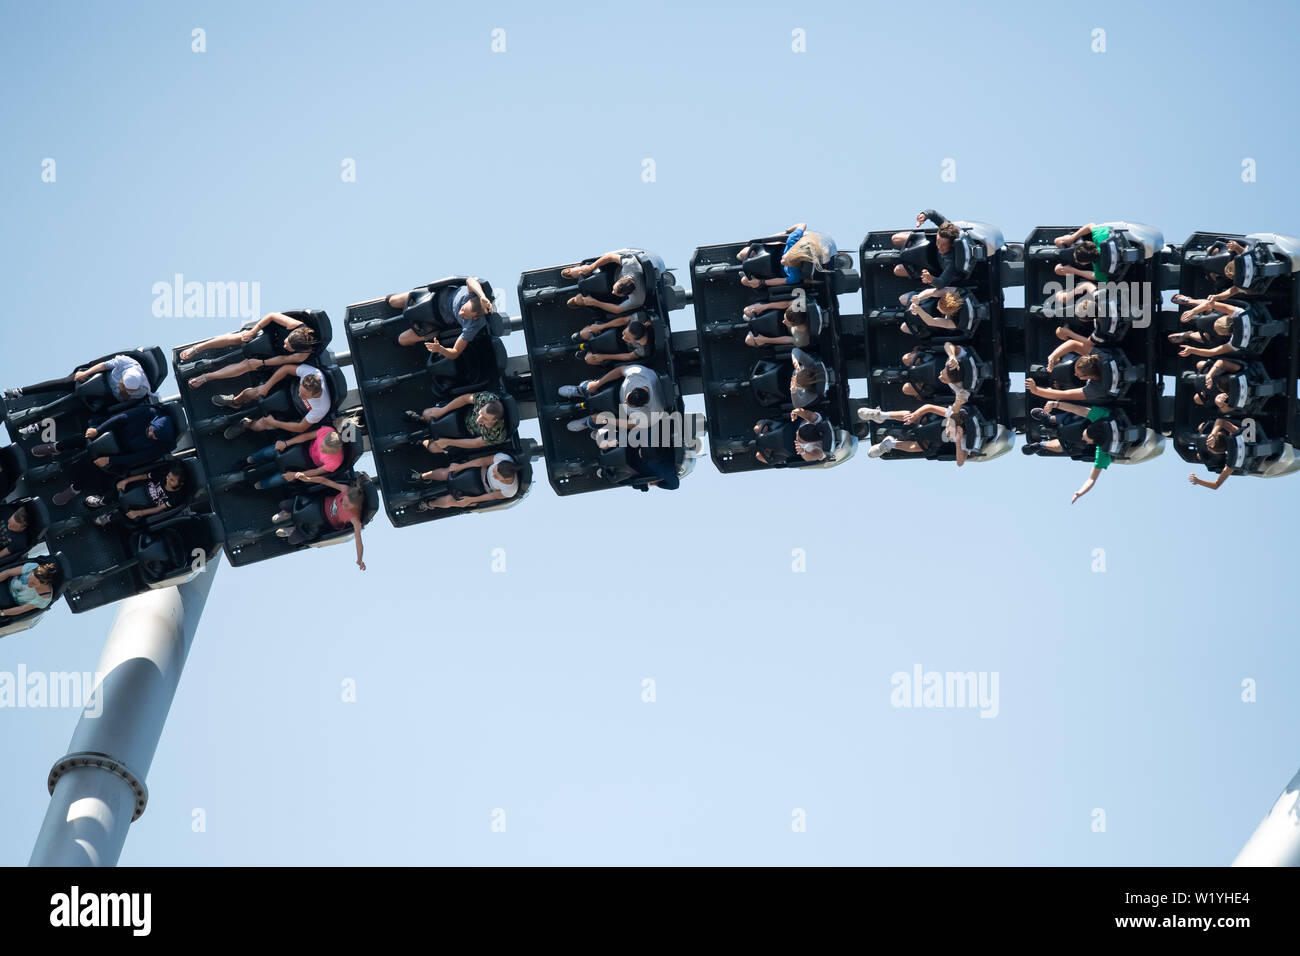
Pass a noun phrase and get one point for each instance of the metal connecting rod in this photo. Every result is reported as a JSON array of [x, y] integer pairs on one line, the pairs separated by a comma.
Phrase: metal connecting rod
[[98, 788]]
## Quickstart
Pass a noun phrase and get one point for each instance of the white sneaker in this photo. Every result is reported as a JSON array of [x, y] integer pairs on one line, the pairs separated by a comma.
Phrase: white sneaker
[[872, 415], [882, 446]]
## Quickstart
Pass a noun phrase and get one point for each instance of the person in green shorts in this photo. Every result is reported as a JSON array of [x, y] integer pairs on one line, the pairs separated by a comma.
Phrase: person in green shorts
[[1089, 426], [1079, 255]]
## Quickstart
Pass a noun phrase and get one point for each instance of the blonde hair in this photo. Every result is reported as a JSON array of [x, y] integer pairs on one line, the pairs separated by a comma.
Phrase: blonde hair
[[1223, 325], [951, 302], [809, 249], [333, 443], [311, 384]]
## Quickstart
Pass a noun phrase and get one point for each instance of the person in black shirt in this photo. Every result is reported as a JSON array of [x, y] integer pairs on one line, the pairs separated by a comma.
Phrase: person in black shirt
[[941, 268], [14, 539], [1225, 451], [160, 489], [1089, 370]]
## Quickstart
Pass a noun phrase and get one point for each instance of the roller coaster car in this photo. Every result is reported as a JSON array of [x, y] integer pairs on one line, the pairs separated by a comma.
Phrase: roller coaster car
[[23, 622], [979, 252], [267, 344], [91, 395], [573, 460], [393, 379], [743, 384], [169, 550]]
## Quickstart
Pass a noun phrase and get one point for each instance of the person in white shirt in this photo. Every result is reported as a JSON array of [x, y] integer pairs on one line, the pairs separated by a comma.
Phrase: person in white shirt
[[498, 477], [312, 390], [641, 402]]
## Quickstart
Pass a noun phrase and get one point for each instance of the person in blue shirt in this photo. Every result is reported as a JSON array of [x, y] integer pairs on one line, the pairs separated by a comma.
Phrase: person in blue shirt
[[431, 312], [805, 254], [26, 587], [144, 433]]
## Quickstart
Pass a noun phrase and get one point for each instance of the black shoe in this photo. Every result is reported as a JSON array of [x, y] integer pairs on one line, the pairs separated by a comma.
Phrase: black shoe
[[64, 496], [414, 417], [1040, 415], [1031, 448], [44, 451], [235, 430], [417, 475]]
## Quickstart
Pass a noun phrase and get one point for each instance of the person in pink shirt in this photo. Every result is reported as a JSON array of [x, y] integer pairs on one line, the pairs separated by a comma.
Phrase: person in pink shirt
[[318, 452]]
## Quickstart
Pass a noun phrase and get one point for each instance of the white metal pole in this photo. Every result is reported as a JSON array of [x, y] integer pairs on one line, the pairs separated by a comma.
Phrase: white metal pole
[[1276, 842], [98, 787]]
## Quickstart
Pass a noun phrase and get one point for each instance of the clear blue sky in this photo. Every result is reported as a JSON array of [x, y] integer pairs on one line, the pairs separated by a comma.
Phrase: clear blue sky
[[522, 691]]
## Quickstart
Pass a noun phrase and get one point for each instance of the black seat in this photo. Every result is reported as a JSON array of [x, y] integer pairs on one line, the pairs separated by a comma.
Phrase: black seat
[[13, 463]]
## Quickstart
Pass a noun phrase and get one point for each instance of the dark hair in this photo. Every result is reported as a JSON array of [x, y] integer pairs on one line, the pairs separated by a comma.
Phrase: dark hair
[[1098, 433], [796, 316], [638, 396], [22, 514], [508, 469], [495, 409], [808, 432], [626, 282], [808, 376], [950, 230], [45, 573], [1087, 366], [300, 339], [1085, 252], [177, 469], [638, 329]]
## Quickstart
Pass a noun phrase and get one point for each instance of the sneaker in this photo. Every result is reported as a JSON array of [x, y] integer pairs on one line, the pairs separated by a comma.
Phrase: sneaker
[[224, 401], [414, 417], [235, 430], [417, 475], [64, 496], [103, 521], [882, 446], [43, 451], [94, 501], [283, 532], [13, 393], [580, 425], [1040, 415], [571, 391], [29, 431], [872, 415], [1030, 448], [280, 517]]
